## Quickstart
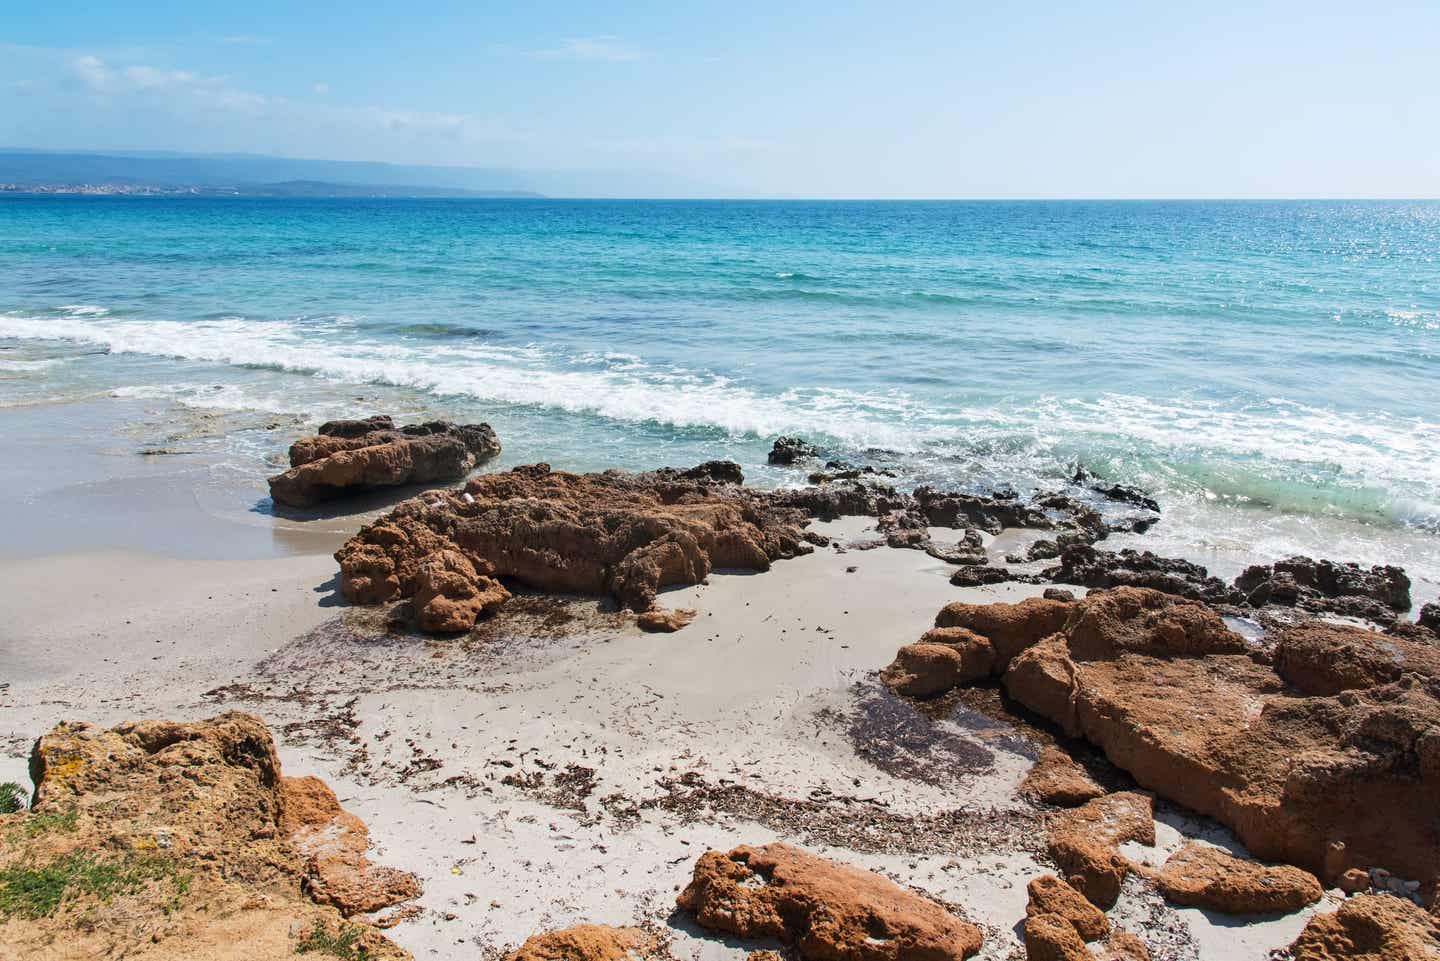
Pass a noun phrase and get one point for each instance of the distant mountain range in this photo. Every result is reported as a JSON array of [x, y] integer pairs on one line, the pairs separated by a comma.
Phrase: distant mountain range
[[256, 175]]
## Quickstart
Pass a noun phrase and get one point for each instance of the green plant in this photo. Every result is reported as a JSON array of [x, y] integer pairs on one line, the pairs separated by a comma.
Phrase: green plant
[[36, 891], [12, 798], [42, 822], [344, 942]]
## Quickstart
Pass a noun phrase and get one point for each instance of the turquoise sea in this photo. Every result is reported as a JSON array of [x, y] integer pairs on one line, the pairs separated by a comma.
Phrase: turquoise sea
[[1270, 370]]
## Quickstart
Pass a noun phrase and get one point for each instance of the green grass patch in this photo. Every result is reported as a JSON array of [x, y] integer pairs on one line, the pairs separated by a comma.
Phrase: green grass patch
[[344, 942], [12, 798], [30, 891]]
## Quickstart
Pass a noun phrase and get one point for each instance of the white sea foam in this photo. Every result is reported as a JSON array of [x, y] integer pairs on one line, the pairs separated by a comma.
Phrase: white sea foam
[[1276, 453]]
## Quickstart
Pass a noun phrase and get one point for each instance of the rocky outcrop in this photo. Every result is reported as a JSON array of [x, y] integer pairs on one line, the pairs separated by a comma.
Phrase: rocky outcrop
[[1371, 927], [1050, 895], [824, 909], [1202, 876], [1376, 594], [1050, 937], [943, 658], [350, 456], [1084, 565], [1429, 618], [179, 840], [1319, 747], [626, 535], [1057, 779], [1085, 842], [333, 843], [791, 450], [590, 942]]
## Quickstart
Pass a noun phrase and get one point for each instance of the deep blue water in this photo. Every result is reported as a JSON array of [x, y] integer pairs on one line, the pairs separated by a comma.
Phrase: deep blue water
[[1268, 368]]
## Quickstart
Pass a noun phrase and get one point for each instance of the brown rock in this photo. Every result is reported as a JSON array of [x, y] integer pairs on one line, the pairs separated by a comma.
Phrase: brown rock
[[1051, 937], [1123, 946], [1057, 779], [828, 911], [1324, 781], [1321, 658], [942, 659], [235, 858], [1085, 842], [364, 455], [615, 533], [450, 594], [1009, 627], [1354, 881], [659, 620], [1200, 875], [1050, 895], [589, 942], [1370, 927], [334, 843]]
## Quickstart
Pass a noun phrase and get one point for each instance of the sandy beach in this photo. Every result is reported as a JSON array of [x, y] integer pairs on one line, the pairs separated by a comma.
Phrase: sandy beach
[[557, 765]]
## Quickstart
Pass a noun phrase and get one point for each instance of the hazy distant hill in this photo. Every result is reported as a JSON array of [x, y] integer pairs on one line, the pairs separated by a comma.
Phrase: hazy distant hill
[[250, 173]]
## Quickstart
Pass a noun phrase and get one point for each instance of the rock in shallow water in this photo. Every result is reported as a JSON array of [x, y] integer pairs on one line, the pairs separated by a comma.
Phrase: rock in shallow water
[[348, 457]]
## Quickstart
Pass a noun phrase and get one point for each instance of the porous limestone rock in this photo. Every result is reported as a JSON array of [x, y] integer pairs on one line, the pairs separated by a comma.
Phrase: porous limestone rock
[[1370, 927], [826, 910], [1056, 779], [351, 456], [1050, 895], [589, 942], [627, 535], [1318, 747], [209, 850], [1203, 876], [1085, 842]]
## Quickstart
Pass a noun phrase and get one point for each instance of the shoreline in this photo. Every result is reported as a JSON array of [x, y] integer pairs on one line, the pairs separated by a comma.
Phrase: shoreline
[[557, 765]]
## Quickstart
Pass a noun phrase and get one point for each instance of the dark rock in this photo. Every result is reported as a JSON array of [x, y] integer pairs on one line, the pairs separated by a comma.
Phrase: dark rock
[[1323, 586], [1128, 495], [1058, 594], [1089, 567], [789, 450], [989, 514]]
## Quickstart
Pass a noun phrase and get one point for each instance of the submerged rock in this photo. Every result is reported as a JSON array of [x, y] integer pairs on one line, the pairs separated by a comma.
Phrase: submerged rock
[[1322, 751], [350, 456], [209, 849], [789, 450], [626, 535], [825, 909]]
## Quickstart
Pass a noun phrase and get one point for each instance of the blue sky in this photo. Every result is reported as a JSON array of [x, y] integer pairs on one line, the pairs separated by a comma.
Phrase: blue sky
[[800, 99]]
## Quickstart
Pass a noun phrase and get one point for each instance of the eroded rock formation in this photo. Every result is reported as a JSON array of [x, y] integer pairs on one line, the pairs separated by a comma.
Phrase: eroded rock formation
[[1319, 747], [826, 910], [1376, 594], [1371, 927], [590, 942], [1057, 779], [1200, 875], [348, 456], [1085, 842], [183, 840], [626, 535]]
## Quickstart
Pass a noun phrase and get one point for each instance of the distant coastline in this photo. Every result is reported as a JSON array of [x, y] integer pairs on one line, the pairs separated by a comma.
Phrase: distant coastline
[[289, 188]]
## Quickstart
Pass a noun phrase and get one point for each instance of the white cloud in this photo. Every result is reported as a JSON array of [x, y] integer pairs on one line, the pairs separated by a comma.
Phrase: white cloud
[[606, 49], [321, 88], [108, 82], [92, 72]]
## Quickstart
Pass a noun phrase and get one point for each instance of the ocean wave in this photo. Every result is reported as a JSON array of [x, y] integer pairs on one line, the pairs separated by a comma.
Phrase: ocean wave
[[1270, 453]]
